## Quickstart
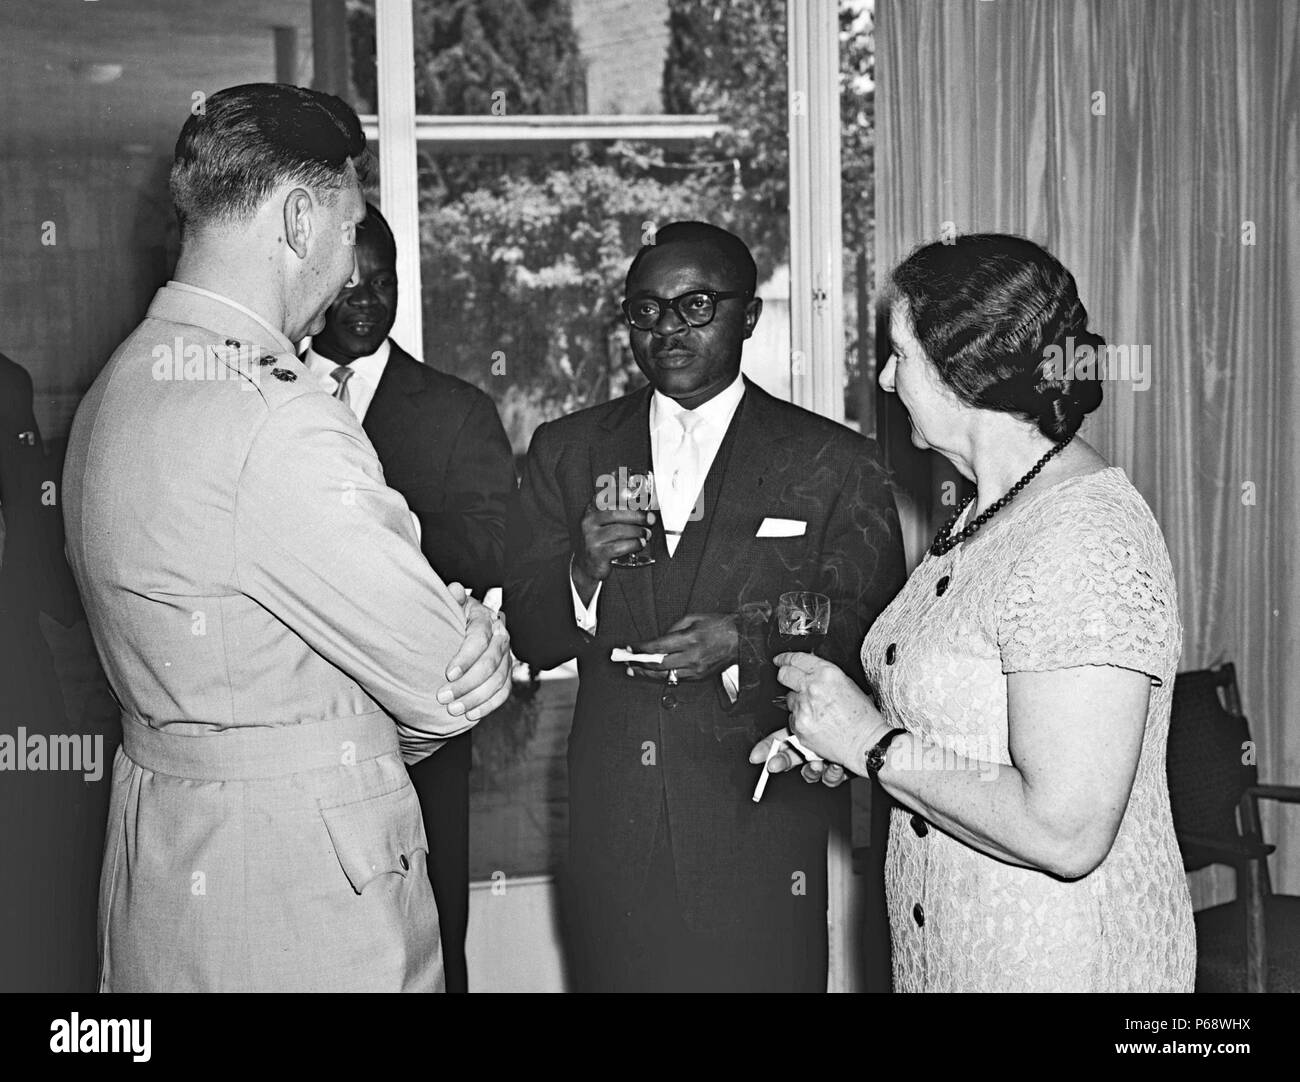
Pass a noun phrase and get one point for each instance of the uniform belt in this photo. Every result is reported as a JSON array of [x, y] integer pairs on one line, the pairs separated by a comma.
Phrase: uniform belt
[[253, 753]]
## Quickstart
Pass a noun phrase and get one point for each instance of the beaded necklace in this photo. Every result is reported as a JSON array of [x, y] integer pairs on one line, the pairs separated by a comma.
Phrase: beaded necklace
[[945, 541]]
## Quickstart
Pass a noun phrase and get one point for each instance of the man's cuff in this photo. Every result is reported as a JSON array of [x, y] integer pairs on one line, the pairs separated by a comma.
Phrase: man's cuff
[[584, 615], [731, 681]]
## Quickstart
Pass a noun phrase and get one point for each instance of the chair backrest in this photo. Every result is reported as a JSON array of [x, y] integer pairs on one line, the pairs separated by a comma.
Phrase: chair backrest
[[1207, 761]]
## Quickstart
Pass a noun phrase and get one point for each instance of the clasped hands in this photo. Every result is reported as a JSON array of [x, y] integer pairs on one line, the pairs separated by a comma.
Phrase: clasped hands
[[831, 716], [479, 674]]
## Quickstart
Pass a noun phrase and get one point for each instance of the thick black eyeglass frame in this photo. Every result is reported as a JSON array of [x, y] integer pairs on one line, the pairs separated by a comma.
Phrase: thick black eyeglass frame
[[675, 304]]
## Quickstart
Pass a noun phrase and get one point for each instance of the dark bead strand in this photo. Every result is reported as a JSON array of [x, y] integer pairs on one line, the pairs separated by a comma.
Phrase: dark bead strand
[[945, 542]]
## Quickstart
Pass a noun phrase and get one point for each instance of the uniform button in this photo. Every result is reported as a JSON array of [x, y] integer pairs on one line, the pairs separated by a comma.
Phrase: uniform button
[[941, 587], [890, 652], [918, 915], [406, 864], [919, 826], [669, 701]]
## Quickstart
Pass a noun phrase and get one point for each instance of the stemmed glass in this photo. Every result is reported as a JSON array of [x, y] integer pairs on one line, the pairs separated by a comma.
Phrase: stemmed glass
[[803, 619], [635, 491]]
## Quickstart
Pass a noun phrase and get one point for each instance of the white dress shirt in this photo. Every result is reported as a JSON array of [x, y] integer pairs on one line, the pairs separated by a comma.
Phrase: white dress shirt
[[666, 453], [366, 374]]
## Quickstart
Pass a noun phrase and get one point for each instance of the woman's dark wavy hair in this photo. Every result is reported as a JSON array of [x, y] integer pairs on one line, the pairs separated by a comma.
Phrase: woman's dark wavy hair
[[987, 308]]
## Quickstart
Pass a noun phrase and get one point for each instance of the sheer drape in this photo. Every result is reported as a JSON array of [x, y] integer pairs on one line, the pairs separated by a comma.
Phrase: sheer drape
[[1154, 146]]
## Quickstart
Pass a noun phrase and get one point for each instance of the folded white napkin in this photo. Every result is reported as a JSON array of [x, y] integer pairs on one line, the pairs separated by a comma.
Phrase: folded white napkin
[[782, 527]]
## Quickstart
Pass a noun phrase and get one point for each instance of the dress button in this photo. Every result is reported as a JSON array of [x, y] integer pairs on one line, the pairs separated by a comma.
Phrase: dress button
[[890, 651], [406, 864], [918, 915], [669, 701], [941, 587], [919, 826]]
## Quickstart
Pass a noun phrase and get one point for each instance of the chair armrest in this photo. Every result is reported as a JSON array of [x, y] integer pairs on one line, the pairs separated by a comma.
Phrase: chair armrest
[[1224, 851], [1289, 794]]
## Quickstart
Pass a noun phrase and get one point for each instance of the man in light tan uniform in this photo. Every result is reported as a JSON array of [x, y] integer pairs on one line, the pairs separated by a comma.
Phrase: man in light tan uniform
[[277, 641]]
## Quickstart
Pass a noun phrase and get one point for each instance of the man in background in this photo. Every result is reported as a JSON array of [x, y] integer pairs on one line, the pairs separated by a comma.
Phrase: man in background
[[39, 809], [33, 574], [442, 446]]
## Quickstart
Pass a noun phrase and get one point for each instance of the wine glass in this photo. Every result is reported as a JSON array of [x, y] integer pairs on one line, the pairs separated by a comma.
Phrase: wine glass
[[803, 619], [635, 492]]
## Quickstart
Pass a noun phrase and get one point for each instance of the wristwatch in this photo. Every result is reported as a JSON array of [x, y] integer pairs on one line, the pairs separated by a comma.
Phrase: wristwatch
[[876, 756]]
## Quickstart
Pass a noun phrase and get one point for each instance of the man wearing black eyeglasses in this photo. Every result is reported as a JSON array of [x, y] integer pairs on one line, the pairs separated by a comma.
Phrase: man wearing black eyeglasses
[[677, 880]]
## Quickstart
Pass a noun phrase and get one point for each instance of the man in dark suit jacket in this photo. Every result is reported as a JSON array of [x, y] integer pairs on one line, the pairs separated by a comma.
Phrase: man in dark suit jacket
[[442, 446], [34, 576], [39, 812], [677, 879]]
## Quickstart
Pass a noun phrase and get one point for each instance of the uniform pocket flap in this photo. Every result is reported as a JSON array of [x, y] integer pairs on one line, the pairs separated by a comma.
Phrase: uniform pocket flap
[[376, 836]]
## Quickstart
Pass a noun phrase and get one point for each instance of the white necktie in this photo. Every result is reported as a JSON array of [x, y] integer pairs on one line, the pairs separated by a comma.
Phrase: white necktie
[[341, 375], [684, 480]]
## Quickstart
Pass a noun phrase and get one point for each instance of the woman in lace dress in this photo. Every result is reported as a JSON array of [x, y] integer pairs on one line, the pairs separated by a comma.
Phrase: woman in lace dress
[[1023, 676]]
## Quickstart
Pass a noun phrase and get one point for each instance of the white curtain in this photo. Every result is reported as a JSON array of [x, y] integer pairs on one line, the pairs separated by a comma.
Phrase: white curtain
[[1154, 147]]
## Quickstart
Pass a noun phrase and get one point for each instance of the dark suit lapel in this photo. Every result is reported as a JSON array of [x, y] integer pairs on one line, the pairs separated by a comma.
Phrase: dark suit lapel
[[732, 517], [394, 395], [624, 443]]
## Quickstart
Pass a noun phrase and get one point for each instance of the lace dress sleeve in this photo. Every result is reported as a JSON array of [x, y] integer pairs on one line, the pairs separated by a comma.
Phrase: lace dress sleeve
[[1090, 589]]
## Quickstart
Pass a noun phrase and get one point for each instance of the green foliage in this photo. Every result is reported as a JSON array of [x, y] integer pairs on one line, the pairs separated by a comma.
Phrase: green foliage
[[472, 56], [525, 277], [728, 57], [480, 58], [858, 193]]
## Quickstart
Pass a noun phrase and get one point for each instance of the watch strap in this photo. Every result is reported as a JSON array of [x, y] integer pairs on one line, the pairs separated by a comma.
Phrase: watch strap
[[875, 758]]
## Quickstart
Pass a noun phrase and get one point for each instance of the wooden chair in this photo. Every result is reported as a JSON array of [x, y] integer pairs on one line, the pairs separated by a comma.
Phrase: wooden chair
[[1251, 944]]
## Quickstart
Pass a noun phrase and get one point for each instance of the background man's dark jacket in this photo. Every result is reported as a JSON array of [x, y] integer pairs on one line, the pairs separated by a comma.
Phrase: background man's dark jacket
[[442, 447], [441, 444]]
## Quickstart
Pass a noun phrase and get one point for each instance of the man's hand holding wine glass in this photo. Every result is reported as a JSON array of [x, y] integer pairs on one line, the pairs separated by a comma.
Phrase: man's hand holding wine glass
[[608, 534]]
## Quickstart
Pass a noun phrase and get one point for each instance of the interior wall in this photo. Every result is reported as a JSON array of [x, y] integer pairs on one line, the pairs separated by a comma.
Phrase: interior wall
[[88, 240]]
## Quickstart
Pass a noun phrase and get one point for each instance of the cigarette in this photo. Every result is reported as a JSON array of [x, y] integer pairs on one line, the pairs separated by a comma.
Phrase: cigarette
[[780, 742], [777, 744]]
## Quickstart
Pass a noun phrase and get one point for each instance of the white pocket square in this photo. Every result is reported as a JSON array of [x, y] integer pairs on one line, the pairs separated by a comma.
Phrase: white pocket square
[[782, 527]]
